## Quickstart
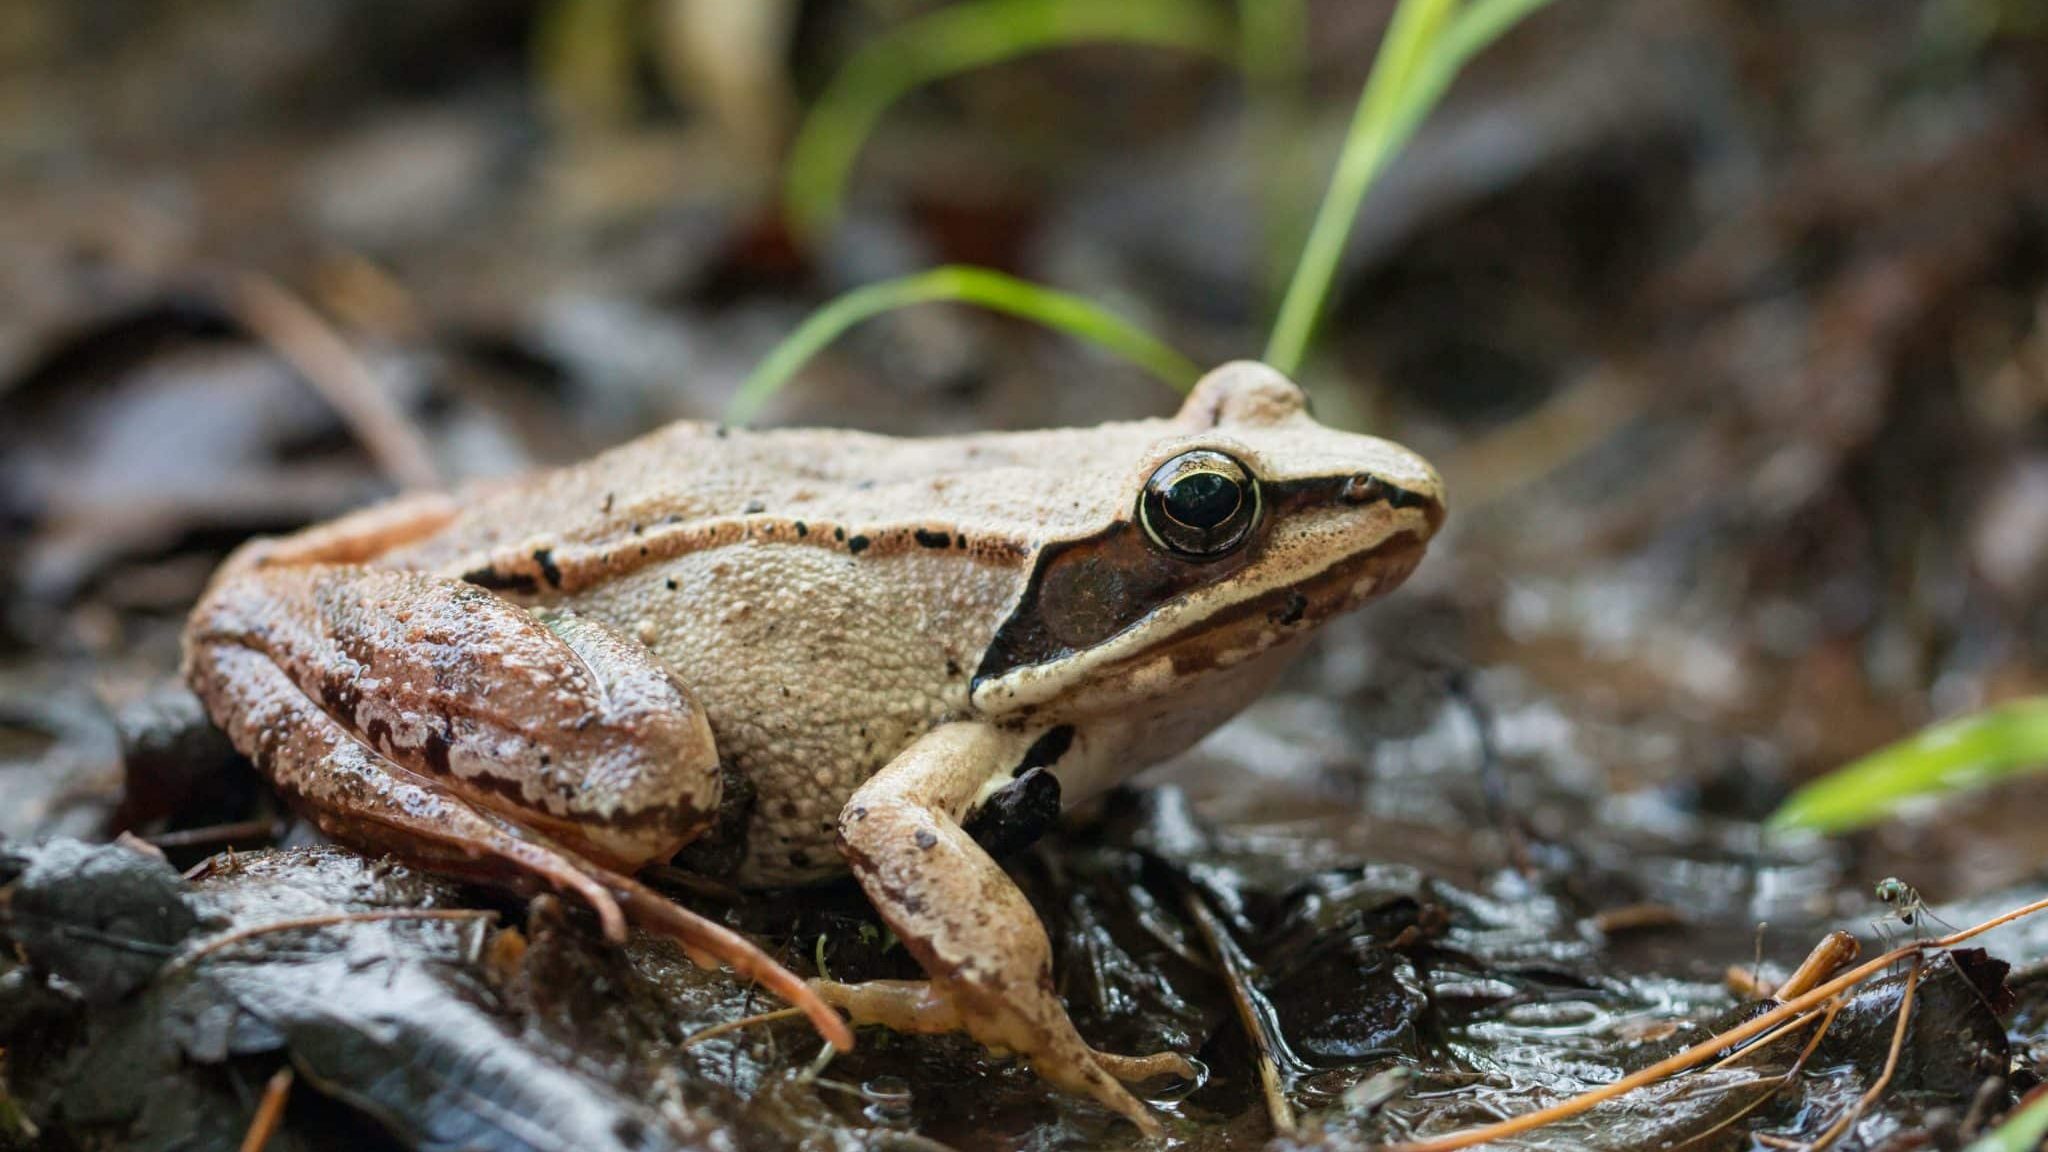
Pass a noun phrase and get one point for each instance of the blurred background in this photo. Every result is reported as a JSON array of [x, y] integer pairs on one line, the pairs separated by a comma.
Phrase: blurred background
[[1727, 323]]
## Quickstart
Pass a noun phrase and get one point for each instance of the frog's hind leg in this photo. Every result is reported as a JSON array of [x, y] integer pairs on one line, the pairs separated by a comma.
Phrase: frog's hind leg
[[359, 797], [442, 723]]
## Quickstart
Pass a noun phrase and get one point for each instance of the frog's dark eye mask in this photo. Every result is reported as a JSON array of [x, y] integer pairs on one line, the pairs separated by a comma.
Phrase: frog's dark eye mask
[[1199, 519], [1200, 505]]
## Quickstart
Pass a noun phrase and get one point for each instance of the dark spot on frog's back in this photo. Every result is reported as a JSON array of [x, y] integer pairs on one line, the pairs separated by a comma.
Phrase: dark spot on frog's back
[[496, 581], [545, 557], [435, 750], [857, 544], [933, 539]]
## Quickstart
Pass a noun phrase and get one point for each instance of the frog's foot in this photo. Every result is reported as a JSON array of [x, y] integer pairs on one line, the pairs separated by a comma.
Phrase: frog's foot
[[914, 1006], [1138, 1069], [401, 713], [920, 1006], [962, 918]]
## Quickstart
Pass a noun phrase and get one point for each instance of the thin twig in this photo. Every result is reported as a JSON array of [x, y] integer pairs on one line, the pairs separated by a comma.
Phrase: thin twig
[[1955, 938], [1237, 974], [317, 352], [269, 1111], [1835, 1007], [1705, 1049], [1827, 1021], [90, 934], [818, 1064], [1834, 950], [226, 939], [134, 843], [720, 1029], [244, 830], [1763, 1042], [1855, 1111]]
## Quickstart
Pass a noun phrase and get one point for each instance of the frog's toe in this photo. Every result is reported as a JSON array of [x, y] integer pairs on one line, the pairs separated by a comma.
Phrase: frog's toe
[[912, 1006], [1137, 1069]]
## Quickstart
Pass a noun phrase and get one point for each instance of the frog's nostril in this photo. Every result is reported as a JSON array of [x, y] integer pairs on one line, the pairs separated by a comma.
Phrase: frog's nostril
[[1366, 488], [1363, 489]]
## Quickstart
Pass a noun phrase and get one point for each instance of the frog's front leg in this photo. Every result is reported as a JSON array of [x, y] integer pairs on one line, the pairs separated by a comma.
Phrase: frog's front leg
[[437, 721], [967, 924]]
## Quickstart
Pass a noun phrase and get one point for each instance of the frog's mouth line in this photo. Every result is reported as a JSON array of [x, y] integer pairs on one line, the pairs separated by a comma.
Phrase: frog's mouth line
[[1274, 617]]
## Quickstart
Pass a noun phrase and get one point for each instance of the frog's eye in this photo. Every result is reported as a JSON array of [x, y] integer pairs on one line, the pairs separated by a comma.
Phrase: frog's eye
[[1200, 504]]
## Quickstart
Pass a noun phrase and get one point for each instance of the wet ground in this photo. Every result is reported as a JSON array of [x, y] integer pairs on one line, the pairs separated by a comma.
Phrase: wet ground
[[1725, 325]]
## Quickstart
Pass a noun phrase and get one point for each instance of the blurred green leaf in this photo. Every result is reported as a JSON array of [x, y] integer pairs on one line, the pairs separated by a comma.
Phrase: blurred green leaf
[[585, 50], [965, 284], [1964, 753], [955, 39], [2021, 1132], [1427, 43]]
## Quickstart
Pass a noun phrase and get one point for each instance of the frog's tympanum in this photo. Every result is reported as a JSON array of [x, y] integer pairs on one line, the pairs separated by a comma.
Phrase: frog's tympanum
[[779, 655]]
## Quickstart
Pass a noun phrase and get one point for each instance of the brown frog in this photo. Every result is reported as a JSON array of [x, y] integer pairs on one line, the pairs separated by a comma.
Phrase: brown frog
[[788, 654]]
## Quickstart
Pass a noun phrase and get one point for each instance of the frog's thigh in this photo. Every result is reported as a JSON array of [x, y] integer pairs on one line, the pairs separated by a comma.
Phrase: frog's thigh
[[361, 798], [357, 797], [962, 918], [560, 725]]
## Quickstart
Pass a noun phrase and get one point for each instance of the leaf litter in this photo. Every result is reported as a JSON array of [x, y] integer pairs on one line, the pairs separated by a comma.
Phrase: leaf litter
[[1743, 449]]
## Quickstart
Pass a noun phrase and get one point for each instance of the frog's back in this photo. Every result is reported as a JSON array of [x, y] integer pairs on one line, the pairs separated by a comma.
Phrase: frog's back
[[692, 485], [825, 595]]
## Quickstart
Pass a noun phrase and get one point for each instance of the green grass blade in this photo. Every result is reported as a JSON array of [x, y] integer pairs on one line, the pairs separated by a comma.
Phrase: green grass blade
[[964, 284], [1427, 43], [2021, 1132], [1367, 148], [957, 39], [1972, 750], [1476, 26]]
